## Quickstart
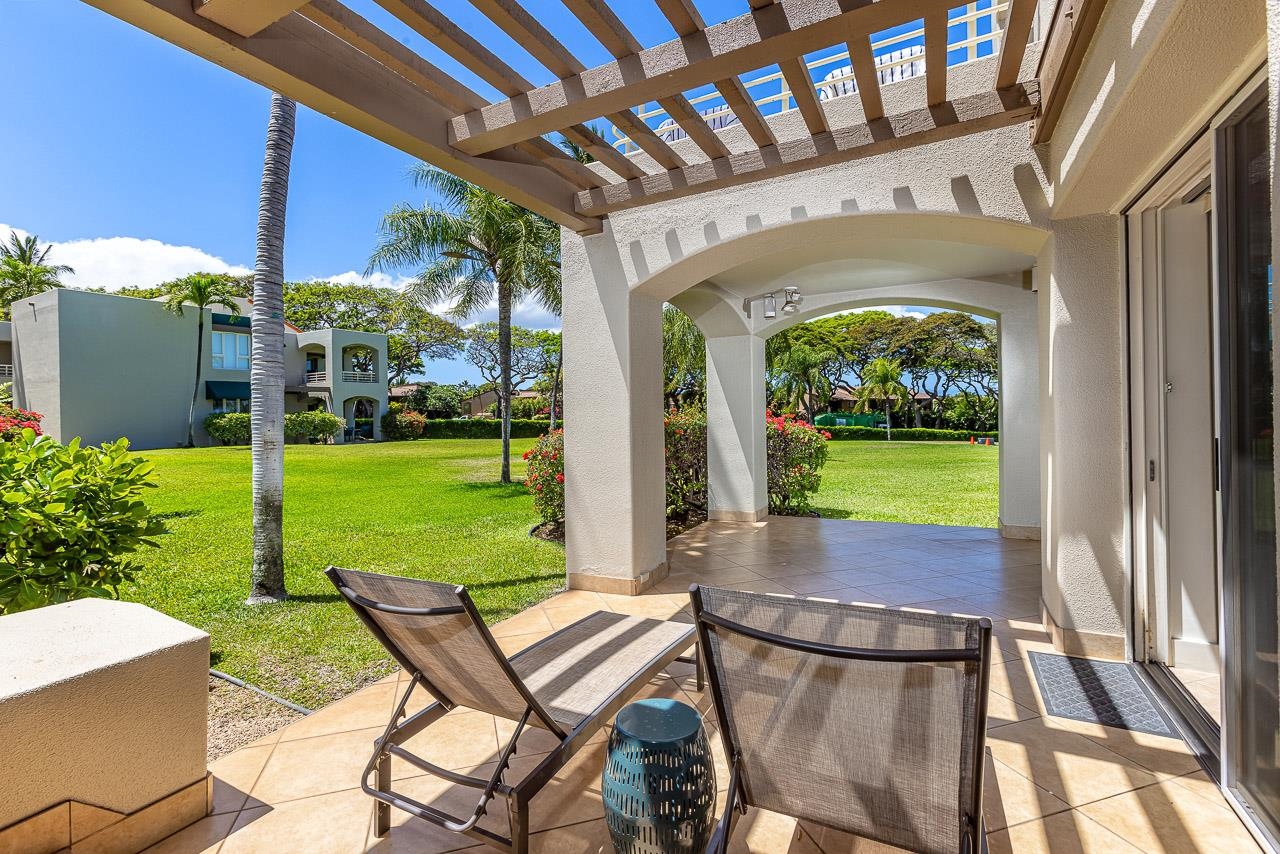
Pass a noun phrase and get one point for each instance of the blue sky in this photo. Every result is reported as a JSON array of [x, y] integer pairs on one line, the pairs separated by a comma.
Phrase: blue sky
[[145, 160]]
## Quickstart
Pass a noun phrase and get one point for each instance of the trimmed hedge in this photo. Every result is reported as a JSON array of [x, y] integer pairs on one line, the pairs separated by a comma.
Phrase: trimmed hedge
[[906, 434], [482, 428]]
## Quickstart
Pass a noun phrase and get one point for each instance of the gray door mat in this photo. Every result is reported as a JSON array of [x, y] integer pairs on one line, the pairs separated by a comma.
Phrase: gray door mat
[[1111, 693]]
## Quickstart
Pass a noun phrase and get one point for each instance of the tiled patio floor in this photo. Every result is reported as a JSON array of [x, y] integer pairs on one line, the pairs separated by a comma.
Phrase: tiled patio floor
[[1052, 784]]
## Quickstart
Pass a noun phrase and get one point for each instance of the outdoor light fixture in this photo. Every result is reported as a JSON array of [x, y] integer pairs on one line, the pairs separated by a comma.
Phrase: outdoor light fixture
[[790, 302]]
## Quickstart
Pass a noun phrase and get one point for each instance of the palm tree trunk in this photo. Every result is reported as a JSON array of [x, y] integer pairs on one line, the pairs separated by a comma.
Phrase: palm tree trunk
[[888, 421], [195, 392], [267, 375], [504, 382]]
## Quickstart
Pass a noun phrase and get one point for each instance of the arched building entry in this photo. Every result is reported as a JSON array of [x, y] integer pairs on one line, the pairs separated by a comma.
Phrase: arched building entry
[[614, 479]]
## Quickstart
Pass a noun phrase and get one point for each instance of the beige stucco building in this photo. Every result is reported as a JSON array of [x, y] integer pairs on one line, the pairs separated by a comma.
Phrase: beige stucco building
[[100, 367]]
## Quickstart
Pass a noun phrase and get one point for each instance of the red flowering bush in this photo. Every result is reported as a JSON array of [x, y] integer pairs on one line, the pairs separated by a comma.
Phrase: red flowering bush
[[797, 452], [399, 423], [13, 421], [686, 446], [545, 476]]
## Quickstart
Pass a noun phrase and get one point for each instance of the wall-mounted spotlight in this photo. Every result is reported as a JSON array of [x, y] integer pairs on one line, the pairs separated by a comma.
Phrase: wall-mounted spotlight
[[790, 302]]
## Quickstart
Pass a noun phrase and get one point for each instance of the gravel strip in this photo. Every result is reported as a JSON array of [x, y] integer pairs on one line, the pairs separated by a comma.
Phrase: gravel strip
[[238, 716]]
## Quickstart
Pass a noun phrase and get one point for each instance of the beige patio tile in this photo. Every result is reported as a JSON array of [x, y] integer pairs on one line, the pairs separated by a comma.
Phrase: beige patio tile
[[1171, 818], [1067, 764], [573, 597], [1200, 783], [850, 596], [526, 622], [566, 615], [1163, 756], [203, 837], [368, 707], [1013, 679], [764, 832], [832, 841], [814, 582], [335, 823], [1001, 711], [461, 739], [514, 643], [723, 577], [1010, 798], [234, 776], [314, 766], [1063, 833]]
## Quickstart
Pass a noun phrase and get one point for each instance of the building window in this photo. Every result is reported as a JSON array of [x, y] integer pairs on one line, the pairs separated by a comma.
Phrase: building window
[[228, 404], [231, 350]]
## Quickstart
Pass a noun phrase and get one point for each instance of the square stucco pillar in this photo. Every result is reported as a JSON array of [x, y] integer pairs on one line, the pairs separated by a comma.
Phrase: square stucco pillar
[[737, 475], [614, 451], [1020, 422], [1083, 444]]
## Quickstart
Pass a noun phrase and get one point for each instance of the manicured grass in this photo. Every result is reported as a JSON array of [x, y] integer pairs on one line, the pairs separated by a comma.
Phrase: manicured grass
[[937, 483], [427, 509], [433, 509]]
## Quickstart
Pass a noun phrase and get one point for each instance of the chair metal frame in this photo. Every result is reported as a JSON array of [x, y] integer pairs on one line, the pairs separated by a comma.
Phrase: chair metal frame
[[973, 839], [518, 795]]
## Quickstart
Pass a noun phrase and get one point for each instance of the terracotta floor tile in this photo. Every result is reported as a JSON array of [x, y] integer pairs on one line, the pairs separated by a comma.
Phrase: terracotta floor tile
[[234, 776], [335, 823], [1066, 764], [1063, 833], [368, 707], [1173, 819], [203, 837]]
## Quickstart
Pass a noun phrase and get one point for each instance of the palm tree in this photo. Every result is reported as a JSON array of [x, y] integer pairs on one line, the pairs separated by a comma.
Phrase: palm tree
[[882, 383], [266, 376], [684, 354], [25, 270], [577, 152], [202, 291], [478, 242], [801, 377]]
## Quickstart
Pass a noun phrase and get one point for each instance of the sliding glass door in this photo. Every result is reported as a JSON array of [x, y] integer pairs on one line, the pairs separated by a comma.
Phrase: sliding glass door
[[1247, 465]]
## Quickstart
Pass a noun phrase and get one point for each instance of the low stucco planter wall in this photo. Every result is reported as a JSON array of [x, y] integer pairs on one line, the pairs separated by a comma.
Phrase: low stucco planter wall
[[104, 719]]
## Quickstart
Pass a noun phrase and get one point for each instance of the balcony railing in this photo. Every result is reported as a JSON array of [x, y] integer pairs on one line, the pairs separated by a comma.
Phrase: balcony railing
[[972, 34], [6, 372], [317, 378], [359, 377]]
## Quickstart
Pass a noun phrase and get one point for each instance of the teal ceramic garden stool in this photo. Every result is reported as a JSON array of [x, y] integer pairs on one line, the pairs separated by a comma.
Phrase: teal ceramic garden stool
[[659, 780]]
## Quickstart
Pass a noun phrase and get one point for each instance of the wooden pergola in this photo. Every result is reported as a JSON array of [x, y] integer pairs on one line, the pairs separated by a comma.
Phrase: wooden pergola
[[324, 55]]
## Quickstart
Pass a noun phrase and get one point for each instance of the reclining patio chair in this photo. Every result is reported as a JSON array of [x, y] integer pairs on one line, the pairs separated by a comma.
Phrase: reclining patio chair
[[569, 684], [866, 720]]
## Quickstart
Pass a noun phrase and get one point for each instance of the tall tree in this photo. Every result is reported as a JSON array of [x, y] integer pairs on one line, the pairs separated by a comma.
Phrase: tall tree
[[478, 243], [684, 354], [267, 374], [202, 291], [800, 378], [25, 270], [526, 360], [882, 387]]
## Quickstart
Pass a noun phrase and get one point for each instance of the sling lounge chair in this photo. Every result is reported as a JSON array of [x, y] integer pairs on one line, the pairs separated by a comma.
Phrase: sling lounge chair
[[569, 684], [866, 720]]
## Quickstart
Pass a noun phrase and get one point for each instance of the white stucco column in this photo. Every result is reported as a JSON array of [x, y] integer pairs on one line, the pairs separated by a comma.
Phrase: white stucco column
[[1083, 444], [615, 490], [1020, 421], [737, 477]]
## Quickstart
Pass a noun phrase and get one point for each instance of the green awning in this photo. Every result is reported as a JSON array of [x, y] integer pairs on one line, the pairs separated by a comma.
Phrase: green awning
[[231, 320], [226, 390]]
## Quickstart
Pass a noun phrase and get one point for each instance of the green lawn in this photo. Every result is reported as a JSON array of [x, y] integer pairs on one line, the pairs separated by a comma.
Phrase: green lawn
[[430, 509], [433, 509], [937, 483]]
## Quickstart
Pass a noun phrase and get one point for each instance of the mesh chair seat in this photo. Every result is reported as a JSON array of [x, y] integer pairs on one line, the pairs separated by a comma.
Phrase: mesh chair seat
[[579, 669]]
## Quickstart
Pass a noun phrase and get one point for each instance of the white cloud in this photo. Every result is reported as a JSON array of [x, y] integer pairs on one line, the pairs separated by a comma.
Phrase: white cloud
[[373, 280], [116, 262]]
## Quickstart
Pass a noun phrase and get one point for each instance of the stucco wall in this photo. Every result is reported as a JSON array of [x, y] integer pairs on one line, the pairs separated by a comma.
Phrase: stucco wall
[[101, 702], [1084, 426]]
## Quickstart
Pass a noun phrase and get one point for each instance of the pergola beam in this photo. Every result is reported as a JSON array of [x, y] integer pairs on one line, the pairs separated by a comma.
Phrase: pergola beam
[[246, 17], [935, 58], [1013, 45], [790, 28], [308, 64], [970, 114]]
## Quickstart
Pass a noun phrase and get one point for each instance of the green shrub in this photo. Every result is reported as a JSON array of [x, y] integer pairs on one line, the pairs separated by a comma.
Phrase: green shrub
[[482, 428], [229, 428], [70, 518], [905, 434], [797, 453], [528, 407], [312, 425], [686, 449], [403, 424], [545, 477]]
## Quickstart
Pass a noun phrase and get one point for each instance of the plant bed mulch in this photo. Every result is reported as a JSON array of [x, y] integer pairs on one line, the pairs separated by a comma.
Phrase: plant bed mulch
[[238, 716], [554, 531]]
